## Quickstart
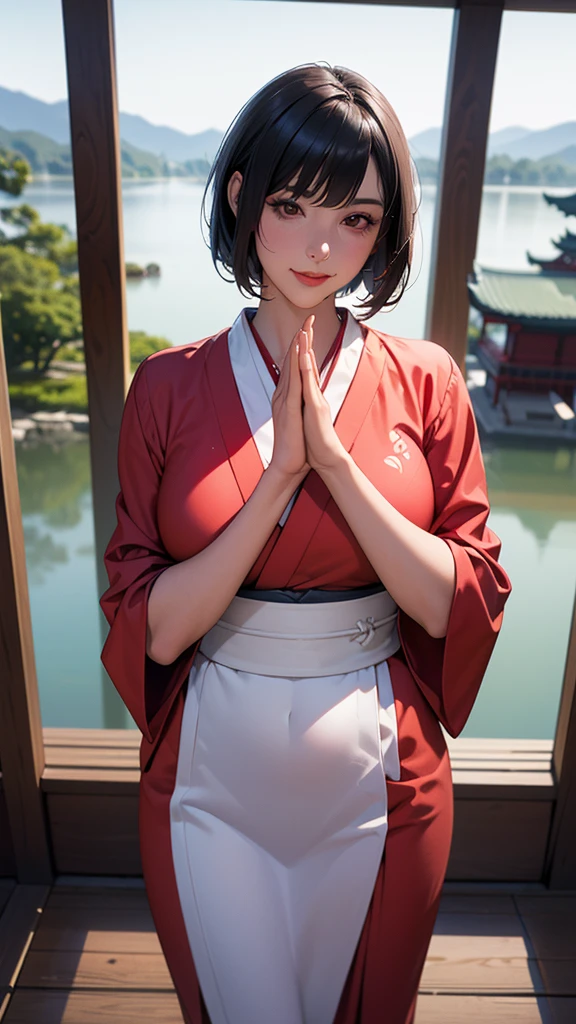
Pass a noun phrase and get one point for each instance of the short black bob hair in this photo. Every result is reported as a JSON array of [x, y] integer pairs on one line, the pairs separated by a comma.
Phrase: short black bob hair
[[317, 125]]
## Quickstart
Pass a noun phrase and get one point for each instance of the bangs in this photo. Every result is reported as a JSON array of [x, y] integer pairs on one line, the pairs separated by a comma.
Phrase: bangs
[[327, 157]]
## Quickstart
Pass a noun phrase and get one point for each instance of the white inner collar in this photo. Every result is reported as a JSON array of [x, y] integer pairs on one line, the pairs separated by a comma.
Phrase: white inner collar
[[256, 387]]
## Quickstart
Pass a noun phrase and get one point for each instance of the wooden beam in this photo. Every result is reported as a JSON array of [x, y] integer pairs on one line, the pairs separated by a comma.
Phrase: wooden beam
[[461, 172], [21, 740], [561, 855], [90, 61], [536, 6]]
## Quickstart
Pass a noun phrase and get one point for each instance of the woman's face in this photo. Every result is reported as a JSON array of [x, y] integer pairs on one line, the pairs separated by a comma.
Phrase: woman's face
[[309, 252]]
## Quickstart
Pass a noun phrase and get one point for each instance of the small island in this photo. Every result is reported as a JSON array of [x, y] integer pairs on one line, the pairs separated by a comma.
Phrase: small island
[[135, 271]]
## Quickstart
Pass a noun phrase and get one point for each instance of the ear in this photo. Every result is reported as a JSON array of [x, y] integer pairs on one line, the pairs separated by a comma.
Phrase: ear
[[234, 186]]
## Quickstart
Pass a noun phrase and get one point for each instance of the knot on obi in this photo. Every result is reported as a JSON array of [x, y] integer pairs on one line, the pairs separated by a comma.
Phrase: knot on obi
[[365, 629]]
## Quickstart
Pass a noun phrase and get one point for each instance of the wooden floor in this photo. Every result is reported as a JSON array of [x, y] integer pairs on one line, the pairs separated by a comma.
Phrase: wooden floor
[[83, 953]]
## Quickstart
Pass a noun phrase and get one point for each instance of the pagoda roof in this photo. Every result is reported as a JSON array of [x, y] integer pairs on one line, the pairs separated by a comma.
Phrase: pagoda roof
[[567, 204], [525, 297], [567, 243]]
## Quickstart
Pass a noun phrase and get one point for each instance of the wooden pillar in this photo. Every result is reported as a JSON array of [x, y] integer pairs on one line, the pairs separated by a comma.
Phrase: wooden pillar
[[461, 172], [21, 741], [561, 857], [91, 66]]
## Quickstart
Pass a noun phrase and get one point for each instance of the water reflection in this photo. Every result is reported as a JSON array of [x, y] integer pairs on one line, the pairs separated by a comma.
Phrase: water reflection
[[538, 485], [56, 498], [533, 500], [53, 479], [42, 554]]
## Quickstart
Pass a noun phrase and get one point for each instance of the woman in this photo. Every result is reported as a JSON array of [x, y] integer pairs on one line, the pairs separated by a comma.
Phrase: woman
[[302, 586]]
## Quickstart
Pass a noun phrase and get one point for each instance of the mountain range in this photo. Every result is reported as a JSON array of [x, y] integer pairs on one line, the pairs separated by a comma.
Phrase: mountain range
[[145, 142], [20, 112], [516, 142]]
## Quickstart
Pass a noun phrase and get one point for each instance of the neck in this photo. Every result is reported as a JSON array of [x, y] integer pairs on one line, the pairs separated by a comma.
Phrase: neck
[[277, 321]]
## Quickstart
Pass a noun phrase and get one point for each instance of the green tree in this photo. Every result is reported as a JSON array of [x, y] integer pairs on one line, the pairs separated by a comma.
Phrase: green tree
[[40, 306], [51, 241], [143, 345], [14, 173], [18, 267], [36, 323]]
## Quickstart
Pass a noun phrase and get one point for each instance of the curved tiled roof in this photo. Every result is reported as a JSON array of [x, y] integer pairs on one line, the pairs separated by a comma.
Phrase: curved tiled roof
[[525, 296]]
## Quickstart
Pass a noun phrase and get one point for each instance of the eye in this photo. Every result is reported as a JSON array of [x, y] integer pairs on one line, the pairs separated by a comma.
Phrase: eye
[[284, 208], [360, 220]]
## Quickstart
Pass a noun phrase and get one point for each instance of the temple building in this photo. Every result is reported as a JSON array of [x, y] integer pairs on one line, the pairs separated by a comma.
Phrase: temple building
[[528, 337]]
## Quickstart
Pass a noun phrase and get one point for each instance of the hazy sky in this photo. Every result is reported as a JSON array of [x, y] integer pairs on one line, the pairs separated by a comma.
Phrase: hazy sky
[[191, 64]]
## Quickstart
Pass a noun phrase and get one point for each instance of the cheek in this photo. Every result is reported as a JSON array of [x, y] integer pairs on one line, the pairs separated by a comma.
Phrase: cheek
[[356, 249], [273, 238]]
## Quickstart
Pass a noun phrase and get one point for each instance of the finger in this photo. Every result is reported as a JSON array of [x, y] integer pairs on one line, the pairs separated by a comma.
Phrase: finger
[[308, 329], [309, 388], [315, 368], [310, 332], [295, 382], [308, 366]]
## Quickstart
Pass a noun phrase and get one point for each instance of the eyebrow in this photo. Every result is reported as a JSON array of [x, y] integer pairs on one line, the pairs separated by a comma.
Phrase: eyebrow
[[354, 202], [368, 202]]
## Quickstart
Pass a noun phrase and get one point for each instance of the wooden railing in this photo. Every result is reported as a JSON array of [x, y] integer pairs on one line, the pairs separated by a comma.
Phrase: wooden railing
[[504, 798]]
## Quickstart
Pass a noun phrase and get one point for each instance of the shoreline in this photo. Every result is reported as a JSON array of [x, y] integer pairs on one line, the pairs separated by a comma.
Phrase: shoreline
[[42, 426], [488, 187]]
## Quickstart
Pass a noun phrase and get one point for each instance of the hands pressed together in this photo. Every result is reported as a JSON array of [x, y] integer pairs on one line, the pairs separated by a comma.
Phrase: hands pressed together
[[304, 435]]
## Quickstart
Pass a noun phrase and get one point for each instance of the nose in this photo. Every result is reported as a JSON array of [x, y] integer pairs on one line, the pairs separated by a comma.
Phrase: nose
[[318, 252]]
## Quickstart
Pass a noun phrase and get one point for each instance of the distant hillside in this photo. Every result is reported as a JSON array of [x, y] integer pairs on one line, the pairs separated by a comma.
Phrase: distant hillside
[[537, 145], [46, 156], [17, 111], [148, 145], [556, 170], [516, 142], [426, 144], [566, 156]]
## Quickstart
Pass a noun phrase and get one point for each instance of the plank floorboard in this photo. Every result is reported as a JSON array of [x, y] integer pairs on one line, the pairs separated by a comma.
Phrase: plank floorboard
[[464, 903], [563, 1011], [458, 1009], [553, 936], [28, 1007], [547, 903], [18, 920], [497, 956], [83, 970], [71, 898], [461, 973], [558, 977], [7, 886]]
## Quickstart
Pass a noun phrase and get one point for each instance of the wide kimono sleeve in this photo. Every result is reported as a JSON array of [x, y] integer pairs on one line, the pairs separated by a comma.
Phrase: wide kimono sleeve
[[449, 670], [134, 558]]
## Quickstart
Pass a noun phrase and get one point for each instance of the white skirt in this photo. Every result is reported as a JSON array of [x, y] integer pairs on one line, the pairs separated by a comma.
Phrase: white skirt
[[279, 814]]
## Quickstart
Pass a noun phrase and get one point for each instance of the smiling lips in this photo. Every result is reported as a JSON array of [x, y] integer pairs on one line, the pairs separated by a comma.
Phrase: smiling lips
[[310, 278]]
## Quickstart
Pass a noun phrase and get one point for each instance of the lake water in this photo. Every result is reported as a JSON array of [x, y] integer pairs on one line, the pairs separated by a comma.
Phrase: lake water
[[532, 493]]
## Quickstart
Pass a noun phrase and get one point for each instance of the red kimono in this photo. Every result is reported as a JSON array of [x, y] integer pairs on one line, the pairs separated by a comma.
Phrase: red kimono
[[187, 463]]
